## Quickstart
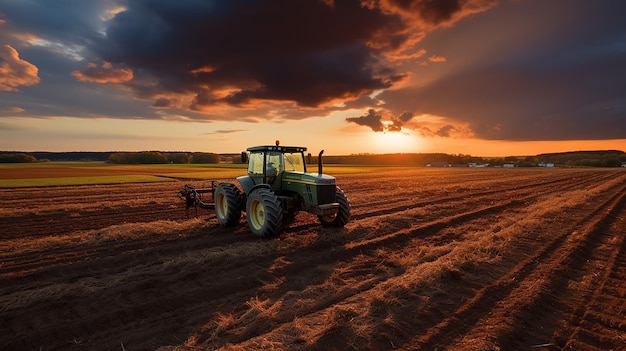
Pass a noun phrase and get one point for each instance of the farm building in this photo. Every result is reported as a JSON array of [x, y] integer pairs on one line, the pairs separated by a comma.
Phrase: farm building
[[543, 164], [438, 164]]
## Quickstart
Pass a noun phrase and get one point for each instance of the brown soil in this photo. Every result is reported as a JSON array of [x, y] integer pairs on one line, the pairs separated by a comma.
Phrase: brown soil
[[432, 259]]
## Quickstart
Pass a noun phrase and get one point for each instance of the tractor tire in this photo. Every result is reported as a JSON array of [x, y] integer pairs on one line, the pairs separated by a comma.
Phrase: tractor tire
[[343, 214], [265, 213], [228, 202]]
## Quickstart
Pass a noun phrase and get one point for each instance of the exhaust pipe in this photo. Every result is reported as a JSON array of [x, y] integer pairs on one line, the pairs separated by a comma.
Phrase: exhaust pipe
[[319, 163]]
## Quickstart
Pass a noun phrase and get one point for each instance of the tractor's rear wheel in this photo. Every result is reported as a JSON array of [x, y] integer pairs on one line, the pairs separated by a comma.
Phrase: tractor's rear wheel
[[265, 213], [228, 200], [342, 216]]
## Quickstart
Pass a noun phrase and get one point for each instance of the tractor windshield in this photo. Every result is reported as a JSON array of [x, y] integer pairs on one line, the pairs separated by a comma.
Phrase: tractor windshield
[[294, 162], [275, 162]]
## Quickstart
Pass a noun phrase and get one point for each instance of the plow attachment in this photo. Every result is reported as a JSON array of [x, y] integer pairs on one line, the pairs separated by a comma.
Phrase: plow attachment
[[196, 197]]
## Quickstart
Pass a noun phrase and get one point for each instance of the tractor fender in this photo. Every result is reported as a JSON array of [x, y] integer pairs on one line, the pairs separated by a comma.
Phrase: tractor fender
[[248, 184]]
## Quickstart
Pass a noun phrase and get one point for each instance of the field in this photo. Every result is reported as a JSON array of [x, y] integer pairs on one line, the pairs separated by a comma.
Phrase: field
[[432, 259]]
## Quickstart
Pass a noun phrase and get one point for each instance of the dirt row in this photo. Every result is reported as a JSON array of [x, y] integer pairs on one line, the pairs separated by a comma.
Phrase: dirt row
[[432, 259]]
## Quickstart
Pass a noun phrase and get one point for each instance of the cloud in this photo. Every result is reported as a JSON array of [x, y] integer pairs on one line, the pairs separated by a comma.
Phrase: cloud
[[312, 53], [372, 120], [541, 102], [425, 125], [559, 79], [435, 58], [104, 74], [431, 13], [521, 70], [228, 131], [15, 72], [379, 123], [11, 109]]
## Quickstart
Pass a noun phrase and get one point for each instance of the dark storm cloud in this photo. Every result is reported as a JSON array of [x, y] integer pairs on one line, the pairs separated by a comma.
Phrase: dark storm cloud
[[310, 52], [561, 80], [238, 51]]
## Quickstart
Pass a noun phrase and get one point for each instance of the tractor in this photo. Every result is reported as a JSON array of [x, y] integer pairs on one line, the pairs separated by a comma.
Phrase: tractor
[[276, 188]]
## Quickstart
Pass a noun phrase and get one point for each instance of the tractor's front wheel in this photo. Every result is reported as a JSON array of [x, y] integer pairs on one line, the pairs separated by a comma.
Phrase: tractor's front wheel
[[228, 201], [265, 213], [342, 216]]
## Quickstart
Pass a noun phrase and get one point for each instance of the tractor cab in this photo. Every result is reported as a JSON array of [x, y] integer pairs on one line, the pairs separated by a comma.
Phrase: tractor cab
[[267, 164]]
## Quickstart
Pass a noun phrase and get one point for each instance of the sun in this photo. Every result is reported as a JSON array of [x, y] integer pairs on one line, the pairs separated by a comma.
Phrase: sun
[[395, 142]]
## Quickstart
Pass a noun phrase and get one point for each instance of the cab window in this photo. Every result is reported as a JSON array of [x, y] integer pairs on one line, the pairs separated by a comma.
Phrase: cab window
[[274, 161], [294, 162], [255, 164]]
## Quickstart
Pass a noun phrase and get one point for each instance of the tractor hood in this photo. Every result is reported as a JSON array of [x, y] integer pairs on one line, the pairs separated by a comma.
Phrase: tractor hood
[[309, 178]]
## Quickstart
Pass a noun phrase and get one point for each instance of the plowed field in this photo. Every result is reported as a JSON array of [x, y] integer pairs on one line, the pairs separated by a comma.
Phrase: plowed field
[[432, 259]]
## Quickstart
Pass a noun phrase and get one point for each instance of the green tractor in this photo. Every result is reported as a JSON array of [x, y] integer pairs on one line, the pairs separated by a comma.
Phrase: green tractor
[[276, 188]]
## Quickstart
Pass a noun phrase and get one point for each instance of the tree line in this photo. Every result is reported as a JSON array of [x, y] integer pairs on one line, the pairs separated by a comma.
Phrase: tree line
[[17, 158], [157, 157], [141, 157], [601, 158]]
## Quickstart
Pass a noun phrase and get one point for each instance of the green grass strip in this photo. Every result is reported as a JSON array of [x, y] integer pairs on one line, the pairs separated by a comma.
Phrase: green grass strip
[[42, 182]]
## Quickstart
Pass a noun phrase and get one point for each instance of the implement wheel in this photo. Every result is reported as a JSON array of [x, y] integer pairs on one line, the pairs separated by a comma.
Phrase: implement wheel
[[342, 216], [227, 199], [265, 213]]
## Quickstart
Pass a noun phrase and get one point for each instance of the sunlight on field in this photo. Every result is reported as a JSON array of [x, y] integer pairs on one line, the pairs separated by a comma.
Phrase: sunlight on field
[[89, 173], [42, 182]]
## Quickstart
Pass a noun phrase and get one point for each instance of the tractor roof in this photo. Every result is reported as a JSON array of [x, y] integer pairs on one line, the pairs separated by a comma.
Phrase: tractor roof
[[279, 148]]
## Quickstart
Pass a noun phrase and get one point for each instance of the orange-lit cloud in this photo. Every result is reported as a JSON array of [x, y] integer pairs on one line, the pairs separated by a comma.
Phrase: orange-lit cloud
[[11, 109], [104, 74], [435, 58], [430, 14], [425, 125], [437, 126], [15, 72]]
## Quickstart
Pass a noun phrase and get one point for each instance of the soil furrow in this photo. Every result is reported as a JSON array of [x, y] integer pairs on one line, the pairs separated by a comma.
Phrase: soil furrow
[[361, 249], [502, 308], [434, 259], [549, 186]]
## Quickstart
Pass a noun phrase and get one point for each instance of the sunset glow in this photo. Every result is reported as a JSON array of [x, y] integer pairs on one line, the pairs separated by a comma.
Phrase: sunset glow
[[484, 78], [395, 142]]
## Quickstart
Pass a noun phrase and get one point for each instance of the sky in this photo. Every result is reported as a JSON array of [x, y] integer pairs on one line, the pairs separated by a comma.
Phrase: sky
[[478, 77]]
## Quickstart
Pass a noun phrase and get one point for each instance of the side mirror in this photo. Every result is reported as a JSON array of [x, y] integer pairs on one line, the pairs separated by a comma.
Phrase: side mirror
[[244, 157]]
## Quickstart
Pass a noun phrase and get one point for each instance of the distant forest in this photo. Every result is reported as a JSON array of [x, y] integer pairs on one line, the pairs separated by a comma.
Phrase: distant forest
[[143, 157], [599, 158]]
